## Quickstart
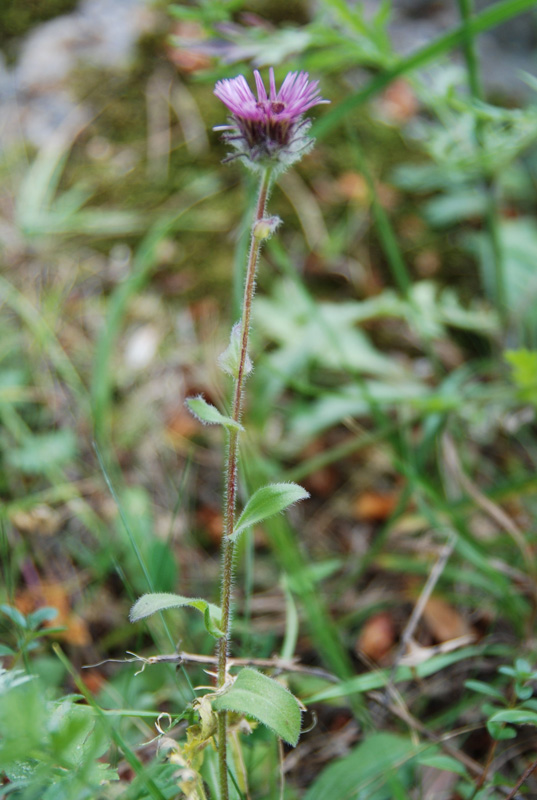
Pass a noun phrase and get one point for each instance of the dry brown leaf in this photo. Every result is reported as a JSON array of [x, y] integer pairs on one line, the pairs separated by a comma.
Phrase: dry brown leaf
[[353, 186], [93, 680], [40, 519], [375, 506], [427, 263], [444, 621], [55, 595], [377, 636], [182, 425], [416, 654], [186, 56], [398, 102]]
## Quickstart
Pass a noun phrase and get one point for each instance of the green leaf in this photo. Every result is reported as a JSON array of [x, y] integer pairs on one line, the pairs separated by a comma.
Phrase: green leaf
[[266, 502], [518, 239], [524, 365], [229, 360], [515, 716], [264, 699], [483, 21], [378, 678], [14, 615], [44, 614], [43, 451], [210, 415], [371, 762], [160, 601], [443, 762], [484, 688], [499, 731]]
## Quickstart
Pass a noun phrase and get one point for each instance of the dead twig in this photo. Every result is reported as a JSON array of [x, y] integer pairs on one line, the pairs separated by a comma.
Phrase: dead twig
[[486, 505], [426, 592], [291, 665], [523, 778]]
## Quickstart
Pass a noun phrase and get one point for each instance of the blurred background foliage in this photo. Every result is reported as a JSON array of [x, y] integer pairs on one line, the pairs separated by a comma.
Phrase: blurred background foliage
[[396, 378]]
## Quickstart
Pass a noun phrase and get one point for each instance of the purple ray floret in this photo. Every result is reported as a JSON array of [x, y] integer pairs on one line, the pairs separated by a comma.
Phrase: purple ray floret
[[269, 130]]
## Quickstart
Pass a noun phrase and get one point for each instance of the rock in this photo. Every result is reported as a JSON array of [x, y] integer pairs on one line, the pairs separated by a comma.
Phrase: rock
[[35, 92]]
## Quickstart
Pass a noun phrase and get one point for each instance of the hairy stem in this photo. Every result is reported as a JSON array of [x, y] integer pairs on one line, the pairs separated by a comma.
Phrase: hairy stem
[[231, 476]]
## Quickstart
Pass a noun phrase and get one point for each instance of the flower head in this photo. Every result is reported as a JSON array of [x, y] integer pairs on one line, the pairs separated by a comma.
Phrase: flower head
[[270, 130]]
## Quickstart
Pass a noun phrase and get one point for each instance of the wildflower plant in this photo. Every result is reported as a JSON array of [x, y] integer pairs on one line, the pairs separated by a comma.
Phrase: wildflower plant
[[269, 133]]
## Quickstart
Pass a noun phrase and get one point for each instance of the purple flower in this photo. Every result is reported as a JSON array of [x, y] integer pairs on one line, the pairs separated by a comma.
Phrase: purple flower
[[269, 131]]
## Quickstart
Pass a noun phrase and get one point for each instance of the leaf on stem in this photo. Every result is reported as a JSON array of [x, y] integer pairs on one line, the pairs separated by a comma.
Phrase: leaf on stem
[[160, 601], [208, 414], [264, 699], [497, 723], [229, 360], [266, 502]]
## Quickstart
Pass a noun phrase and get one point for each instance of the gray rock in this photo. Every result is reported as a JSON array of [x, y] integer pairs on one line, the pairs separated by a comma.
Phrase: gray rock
[[35, 93]]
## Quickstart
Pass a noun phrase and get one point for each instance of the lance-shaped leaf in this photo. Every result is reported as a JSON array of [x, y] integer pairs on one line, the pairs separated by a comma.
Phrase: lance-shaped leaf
[[266, 502], [264, 699], [208, 414], [159, 601]]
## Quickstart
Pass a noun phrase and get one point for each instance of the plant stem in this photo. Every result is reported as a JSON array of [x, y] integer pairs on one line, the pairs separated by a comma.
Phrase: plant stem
[[231, 476]]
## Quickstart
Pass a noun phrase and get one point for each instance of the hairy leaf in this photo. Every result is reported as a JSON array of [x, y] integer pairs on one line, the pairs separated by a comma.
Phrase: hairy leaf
[[208, 414], [264, 699], [266, 502], [160, 601]]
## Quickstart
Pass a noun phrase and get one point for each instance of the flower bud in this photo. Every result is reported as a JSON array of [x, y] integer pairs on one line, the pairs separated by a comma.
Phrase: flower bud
[[264, 228]]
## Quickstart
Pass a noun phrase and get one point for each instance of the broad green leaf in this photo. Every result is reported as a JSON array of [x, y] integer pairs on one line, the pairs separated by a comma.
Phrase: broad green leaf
[[266, 502], [210, 415], [364, 769], [264, 699], [160, 601]]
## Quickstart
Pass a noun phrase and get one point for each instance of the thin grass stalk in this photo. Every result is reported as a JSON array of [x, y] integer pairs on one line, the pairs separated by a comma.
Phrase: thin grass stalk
[[492, 217], [231, 469], [388, 240]]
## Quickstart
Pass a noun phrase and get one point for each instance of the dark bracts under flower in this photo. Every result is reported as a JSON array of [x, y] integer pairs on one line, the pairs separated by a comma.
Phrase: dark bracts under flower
[[270, 130]]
